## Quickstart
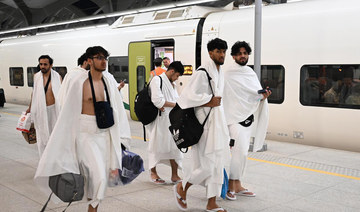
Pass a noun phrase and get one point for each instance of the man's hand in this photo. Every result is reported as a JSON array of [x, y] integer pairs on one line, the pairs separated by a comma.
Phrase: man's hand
[[214, 102], [267, 94], [121, 85], [28, 110]]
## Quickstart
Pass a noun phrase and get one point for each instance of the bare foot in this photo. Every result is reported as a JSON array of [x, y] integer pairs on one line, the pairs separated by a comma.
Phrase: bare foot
[[175, 179], [182, 199]]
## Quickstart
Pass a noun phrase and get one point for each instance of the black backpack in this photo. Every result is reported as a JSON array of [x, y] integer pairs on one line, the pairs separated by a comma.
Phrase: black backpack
[[145, 109], [185, 128]]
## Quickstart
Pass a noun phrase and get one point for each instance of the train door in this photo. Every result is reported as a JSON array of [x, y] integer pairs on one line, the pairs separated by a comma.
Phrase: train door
[[139, 70], [141, 55]]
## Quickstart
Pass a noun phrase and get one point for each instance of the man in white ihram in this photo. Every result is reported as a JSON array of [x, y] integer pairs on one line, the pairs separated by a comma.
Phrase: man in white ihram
[[162, 148], [44, 105], [77, 144], [242, 105], [210, 154]]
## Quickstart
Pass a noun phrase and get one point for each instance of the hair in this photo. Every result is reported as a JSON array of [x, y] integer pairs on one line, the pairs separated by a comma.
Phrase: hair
[[177, 66], [92, 51], [46, 57], [240, 44], [166, 58], [158, 61], [82, 59], [217, 43]]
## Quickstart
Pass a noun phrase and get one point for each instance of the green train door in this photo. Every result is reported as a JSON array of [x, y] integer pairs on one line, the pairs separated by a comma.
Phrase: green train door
[[139, 70]]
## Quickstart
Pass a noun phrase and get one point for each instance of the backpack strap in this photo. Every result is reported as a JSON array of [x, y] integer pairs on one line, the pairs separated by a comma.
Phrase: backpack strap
[[161, 91], [47, 83], [212, 91], [209, 78]]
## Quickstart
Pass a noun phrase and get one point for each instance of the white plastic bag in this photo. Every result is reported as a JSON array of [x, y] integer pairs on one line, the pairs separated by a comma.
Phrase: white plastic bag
[[24, 122]]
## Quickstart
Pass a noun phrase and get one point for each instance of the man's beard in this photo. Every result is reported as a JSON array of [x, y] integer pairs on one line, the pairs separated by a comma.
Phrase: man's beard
[[44, 71], [242, 63], [217, 62]]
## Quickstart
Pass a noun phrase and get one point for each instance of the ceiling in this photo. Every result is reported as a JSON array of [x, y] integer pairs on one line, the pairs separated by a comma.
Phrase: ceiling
[[23, 13]]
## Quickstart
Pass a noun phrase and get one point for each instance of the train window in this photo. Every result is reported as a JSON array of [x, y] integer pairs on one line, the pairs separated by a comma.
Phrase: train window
[[330, 86], [141, 77], [119, 67], [16, 76], [62, 70], [273, 76], [30, 75]]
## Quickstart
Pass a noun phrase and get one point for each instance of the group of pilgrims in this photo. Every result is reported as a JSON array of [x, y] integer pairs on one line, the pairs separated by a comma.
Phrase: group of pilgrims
[[71, 139]]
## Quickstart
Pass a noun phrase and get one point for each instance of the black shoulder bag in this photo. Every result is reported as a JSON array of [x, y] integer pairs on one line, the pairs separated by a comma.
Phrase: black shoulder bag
[[185, 128], [103, 111]]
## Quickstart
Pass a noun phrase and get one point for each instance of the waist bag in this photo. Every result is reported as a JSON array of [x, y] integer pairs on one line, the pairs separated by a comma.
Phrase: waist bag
[[247, 121], [69, 187], [185, 128], [103, 111]]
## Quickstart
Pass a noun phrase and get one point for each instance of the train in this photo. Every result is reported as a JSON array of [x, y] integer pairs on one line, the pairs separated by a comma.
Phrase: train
[[310, 59]]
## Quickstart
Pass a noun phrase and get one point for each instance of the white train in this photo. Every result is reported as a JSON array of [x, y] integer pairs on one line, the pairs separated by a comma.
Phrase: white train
[[309, 50]]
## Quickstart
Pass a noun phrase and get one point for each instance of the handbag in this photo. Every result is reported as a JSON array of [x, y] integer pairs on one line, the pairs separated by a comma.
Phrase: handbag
[[69, 187], [132, 166], [103, 111]]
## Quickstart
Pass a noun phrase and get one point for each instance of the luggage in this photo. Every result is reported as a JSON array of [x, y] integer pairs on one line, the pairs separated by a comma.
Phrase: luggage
[[69, 187]]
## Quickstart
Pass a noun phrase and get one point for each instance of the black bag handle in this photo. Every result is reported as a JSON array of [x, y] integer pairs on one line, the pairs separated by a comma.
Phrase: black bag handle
[[93, 91], [44, 207], [47, 83]]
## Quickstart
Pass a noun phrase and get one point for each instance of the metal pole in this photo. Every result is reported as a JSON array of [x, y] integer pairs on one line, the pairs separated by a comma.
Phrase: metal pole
[[257, 45], [257, 49]]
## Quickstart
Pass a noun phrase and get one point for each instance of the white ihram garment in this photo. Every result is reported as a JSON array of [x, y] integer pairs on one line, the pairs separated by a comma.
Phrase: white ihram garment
[[72, 130], [241, 100], [162, 147], [44, 118], [212, 152]]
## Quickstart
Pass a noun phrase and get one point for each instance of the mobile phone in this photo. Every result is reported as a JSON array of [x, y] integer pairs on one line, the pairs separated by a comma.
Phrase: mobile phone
[[232, 142], [124, 80], [264, 90]]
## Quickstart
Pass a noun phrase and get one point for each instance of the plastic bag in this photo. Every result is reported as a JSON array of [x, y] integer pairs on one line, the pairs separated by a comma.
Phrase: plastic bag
[[24, 122]]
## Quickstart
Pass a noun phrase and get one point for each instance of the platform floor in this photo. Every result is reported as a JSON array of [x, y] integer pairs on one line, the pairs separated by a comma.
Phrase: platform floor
[[287, 177]]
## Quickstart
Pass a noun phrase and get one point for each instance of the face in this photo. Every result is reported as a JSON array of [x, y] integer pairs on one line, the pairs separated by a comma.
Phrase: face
[[98, 62], [44, 65], [241, 57], [218, 56], [174, 76], [166, 63]]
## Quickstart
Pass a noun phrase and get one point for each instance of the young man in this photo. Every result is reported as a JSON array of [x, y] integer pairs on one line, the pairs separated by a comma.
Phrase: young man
[[78, 144], [162, 148], [158, 70], [166, 62], [44, 105], [241, 103], [209, 154]]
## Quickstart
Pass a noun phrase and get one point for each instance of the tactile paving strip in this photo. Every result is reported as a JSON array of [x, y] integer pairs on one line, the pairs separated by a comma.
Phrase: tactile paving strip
[[305, 164]]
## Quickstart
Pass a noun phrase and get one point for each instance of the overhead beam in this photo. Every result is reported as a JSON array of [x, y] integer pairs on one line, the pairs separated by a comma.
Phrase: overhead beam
[[25, 11]]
